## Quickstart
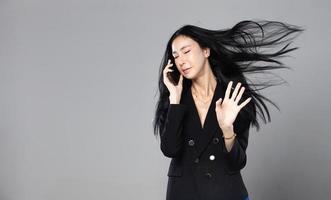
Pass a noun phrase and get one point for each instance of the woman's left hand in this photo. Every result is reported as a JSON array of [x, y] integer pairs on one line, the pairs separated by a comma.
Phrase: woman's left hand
[[227, 110]]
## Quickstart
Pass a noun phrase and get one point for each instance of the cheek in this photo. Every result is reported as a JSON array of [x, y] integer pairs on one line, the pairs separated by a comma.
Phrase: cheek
[[198, 61], [195, 57], [177, 64]]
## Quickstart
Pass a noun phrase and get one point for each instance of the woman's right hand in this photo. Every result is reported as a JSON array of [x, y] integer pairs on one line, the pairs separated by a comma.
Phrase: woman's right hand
[[174, 90]]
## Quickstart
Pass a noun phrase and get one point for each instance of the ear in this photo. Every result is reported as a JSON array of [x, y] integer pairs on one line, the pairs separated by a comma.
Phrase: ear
[[206, 52]]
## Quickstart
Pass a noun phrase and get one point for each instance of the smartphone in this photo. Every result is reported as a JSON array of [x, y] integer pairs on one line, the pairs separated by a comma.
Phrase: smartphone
[[174, 75]]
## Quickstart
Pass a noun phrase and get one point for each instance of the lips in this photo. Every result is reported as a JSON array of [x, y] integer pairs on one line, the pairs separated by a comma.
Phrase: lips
[[185, 71]]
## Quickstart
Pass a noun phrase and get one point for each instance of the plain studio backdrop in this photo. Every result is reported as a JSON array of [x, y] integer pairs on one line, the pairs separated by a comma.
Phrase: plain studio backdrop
[[78, 83]]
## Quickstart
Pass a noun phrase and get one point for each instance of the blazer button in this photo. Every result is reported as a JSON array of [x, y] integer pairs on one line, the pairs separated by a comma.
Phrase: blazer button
[[208, 175], [191, 142], [215, 140], [212, 157], [196, 160]]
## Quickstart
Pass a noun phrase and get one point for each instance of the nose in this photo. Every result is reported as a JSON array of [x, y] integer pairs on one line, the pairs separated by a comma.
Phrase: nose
[[180, 61]]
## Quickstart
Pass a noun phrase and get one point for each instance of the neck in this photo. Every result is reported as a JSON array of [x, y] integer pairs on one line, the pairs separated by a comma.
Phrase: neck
[[204, 85]]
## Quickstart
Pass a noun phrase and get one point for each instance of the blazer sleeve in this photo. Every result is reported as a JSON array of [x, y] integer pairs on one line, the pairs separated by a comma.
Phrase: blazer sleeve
[[237, 157], [171, 136]]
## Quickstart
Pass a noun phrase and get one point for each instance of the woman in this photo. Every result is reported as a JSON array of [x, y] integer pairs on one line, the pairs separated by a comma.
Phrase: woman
[[206, 105]]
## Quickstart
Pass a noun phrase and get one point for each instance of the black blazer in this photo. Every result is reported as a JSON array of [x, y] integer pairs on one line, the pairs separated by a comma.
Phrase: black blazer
[[201, 168]]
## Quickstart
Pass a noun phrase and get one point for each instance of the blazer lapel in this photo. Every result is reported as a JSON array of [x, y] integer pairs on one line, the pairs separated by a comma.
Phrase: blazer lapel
[[206, 133]]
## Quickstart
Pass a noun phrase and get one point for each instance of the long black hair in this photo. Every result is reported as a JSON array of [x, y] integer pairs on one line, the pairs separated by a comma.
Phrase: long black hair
[[233, 52]]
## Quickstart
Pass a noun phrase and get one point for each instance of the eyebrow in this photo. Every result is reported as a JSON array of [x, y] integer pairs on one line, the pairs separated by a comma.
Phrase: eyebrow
[[181, 48]]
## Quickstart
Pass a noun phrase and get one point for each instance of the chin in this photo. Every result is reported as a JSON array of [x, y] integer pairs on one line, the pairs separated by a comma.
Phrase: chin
[[190, 75]]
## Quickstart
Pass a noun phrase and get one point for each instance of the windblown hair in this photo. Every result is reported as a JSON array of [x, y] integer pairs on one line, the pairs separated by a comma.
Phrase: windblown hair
[[233, 52]]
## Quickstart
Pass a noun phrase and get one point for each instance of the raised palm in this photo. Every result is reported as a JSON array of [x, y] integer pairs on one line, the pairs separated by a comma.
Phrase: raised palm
[[228, 109]]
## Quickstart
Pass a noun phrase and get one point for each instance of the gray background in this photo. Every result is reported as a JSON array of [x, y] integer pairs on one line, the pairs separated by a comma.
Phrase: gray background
[[78, 81]]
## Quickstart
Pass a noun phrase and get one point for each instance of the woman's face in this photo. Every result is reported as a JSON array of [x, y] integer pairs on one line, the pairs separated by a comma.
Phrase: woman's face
[[189, 58]]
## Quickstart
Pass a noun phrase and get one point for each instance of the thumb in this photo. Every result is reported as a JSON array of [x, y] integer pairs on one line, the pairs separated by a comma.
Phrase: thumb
[[219, 102], [181, 79]]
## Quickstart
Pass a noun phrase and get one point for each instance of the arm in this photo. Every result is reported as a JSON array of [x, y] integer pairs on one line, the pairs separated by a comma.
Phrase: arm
[[171, 135], [235, 148], [230, 141]]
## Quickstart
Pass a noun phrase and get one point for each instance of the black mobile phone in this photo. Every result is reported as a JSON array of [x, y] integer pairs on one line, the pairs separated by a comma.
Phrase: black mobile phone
[[174, 75]]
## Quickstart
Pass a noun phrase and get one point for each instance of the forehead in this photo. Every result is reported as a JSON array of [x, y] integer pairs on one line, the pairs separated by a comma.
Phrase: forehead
[[181, 42]]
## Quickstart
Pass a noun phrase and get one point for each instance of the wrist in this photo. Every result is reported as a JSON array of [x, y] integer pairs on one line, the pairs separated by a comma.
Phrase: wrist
[[229, 138], [174, 100], [228, 130]]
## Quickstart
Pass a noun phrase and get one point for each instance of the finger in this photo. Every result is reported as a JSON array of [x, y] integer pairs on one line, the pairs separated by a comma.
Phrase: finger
[[165, 75], [218, 102], [169, 62], [245, 102], [166, 70], [169, 65], [228, 90], [181, 79], [235, 92], [239, 95]]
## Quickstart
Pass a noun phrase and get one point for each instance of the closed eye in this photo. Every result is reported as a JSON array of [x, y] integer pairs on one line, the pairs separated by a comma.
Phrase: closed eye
[[184, 53]]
